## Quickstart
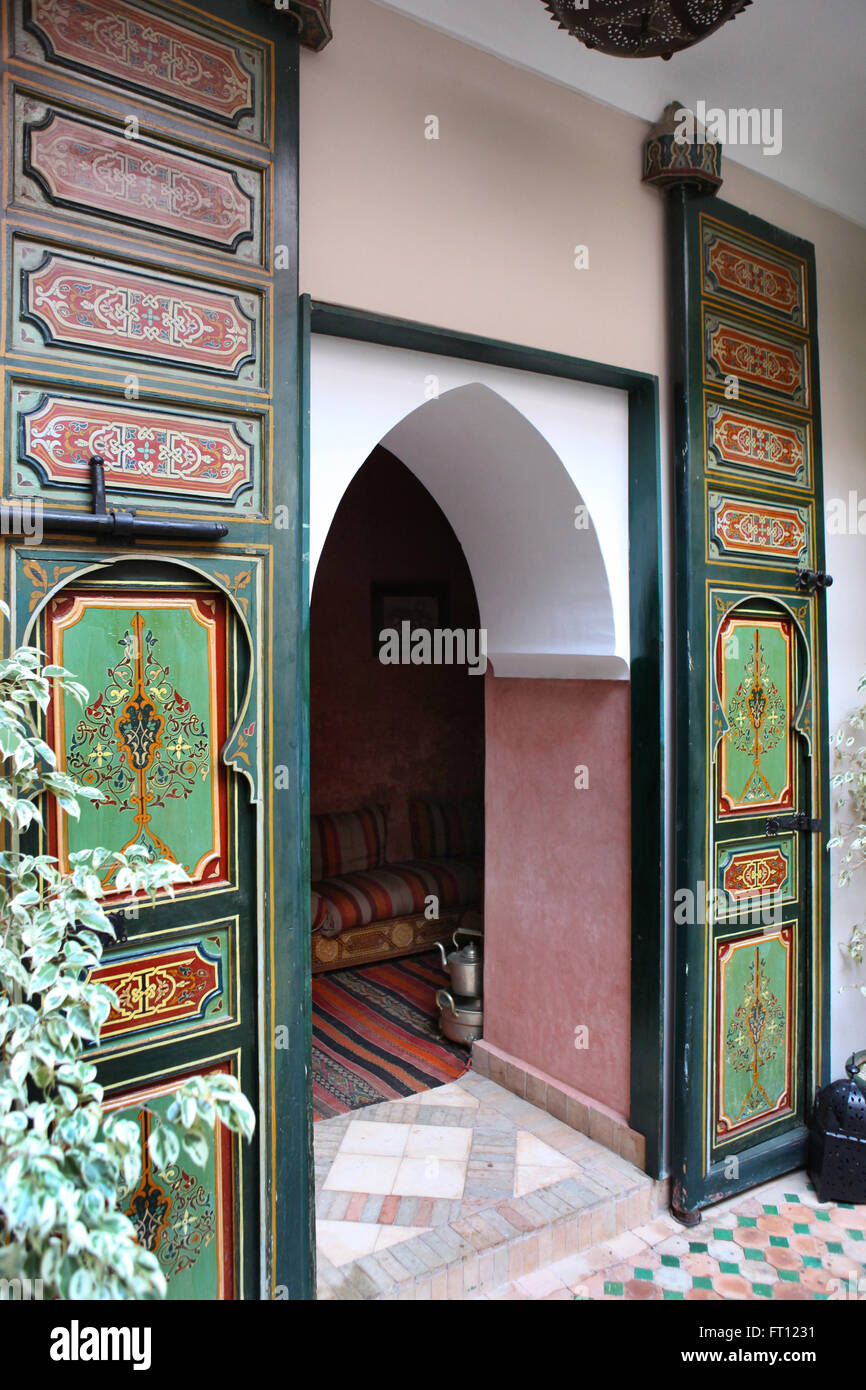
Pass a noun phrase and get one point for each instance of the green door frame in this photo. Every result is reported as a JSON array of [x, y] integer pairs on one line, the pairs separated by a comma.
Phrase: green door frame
[[647, 1079]]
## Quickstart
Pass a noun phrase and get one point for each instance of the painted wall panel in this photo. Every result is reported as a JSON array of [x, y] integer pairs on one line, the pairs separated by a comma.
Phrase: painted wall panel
[[752, 999], [144, 321], [79, 164], [154, 451], [75, 303], [187, 66]]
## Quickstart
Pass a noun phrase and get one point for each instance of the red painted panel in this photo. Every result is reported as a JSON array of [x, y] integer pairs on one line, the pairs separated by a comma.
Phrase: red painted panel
[[147, 450], [112, 38], [108, 308], [767, 283], [158, 988], [88, 167], [756, 359], [748, 441]]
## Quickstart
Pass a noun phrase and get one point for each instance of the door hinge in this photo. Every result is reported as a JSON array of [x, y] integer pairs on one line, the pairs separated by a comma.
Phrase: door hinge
[[799, 821], [810, 581], [126, 526]]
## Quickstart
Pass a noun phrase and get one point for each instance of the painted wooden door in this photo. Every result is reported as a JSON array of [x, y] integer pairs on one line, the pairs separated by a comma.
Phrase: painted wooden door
[[150, 310], [751, 904]]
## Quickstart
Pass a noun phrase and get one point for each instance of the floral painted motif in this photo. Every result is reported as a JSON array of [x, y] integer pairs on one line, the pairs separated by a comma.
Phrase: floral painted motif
[[757, 360], [754, 873], [755, 1033], [149, 739], [174, 1215], [756, 715], [762, 530], [143, 50], [756, 768], [749, 443], [149, 450], [749, 272], [755, 1030], [192, 1225], [154, 749], [85, 166], [109, 308]]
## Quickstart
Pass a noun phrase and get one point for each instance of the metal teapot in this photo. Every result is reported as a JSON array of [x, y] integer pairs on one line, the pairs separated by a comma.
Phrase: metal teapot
[[465, 966]]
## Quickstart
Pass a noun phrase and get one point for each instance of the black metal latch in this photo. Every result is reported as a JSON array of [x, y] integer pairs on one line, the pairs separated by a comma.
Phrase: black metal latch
[[810, 581], [126, 526], [799, 821], [118, 922]]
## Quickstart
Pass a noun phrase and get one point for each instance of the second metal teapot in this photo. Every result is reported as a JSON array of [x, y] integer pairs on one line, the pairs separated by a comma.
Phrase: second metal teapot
[[465, 966]]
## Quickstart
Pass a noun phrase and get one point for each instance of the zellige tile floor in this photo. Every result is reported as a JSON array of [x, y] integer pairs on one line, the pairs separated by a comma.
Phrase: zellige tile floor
[[467, 1191], [458, 1189], [773, 1243]]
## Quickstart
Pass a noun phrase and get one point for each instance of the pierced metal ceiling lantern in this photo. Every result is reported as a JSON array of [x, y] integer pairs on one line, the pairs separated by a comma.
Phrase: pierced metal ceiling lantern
[[642, 28]]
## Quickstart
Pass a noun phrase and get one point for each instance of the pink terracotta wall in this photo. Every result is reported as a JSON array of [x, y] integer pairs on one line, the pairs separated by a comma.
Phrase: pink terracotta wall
[[381, 733], [557, 880]]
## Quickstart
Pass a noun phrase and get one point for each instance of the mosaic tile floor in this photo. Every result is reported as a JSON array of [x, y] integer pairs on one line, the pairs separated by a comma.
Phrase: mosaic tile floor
[[776, 1242], [458, 1189]]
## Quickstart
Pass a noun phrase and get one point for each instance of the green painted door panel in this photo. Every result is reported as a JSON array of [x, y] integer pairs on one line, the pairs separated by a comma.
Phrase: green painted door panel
[[751, 1032], [185, 1213], [151, 736], [152, 319], [166, 663]]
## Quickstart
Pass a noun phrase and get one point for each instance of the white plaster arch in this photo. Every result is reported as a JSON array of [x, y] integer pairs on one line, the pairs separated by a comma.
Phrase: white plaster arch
[[509, 456]]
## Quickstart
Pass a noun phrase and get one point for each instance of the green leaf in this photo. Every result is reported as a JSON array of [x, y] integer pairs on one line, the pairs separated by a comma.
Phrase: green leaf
[[80, 1286], [164, 1146], [10, 740], [188, 1109], [197, 1147], [19, 1067]]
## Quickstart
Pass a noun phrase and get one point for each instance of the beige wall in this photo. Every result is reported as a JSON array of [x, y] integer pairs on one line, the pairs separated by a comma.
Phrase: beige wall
[[476, 232]]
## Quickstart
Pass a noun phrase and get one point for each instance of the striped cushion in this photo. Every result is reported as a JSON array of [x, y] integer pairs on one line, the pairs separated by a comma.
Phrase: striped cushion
[[393, 890], [443, 828], [346, 842]]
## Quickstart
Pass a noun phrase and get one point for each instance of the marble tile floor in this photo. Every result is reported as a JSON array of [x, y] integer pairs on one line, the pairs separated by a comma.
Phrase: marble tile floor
[[459, 1190], [776, 1242]]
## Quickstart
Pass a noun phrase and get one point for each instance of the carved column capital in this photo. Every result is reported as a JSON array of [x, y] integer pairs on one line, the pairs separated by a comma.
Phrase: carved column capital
[[678, 152], [311, 17]]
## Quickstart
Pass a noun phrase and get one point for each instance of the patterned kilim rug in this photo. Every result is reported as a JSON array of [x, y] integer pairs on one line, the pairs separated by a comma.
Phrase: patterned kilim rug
[[376, 1035]]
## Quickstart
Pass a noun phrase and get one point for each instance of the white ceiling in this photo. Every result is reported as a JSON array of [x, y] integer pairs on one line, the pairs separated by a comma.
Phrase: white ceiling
[[803, 56]]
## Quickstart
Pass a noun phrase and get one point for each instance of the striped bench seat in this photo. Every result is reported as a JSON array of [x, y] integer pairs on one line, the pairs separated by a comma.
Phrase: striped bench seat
[[393, 890]]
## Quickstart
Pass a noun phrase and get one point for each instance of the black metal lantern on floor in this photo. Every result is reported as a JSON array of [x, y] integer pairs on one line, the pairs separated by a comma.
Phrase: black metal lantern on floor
[[837, 1142], [642, 28]]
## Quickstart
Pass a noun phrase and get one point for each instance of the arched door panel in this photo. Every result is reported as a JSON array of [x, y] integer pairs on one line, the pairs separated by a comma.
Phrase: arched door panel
[[165, 658], [759, 903]]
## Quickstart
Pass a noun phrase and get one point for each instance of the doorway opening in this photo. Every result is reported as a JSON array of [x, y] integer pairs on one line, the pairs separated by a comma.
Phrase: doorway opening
[[396, 788], [546, 470]]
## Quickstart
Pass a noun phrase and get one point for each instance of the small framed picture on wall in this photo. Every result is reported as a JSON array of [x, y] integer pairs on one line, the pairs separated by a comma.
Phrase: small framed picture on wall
[[422, 603]]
